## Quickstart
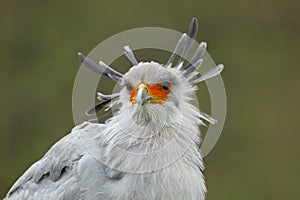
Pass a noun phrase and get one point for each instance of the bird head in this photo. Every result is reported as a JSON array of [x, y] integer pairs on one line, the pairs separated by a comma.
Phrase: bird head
[[151, 83], [152, 93], [152, 90]]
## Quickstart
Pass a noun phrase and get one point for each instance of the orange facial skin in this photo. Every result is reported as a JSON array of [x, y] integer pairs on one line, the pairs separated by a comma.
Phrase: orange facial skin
[[157, 92]]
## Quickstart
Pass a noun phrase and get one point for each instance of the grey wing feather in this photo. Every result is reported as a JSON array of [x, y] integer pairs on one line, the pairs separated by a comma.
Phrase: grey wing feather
[[59, 174]]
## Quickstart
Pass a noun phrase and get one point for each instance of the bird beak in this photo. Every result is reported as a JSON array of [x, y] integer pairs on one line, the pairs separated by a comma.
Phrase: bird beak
[[142, 95]]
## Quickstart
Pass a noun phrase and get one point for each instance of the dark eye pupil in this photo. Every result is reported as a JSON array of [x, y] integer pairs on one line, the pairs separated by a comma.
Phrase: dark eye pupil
[[166, 86]]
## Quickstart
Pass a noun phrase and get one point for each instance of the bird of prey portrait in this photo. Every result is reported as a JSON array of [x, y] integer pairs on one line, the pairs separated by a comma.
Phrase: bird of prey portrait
[[148, 149]]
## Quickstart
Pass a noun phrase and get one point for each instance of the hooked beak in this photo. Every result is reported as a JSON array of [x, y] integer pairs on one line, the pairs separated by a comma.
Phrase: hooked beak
[[142, 95]]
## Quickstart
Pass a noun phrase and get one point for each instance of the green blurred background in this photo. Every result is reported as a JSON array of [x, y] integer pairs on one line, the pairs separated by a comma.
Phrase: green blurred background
[[258, 41]]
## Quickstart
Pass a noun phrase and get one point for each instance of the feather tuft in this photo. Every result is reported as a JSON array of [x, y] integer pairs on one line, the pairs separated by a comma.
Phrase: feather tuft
[[103, 69], [197, 56], [192, 34], [129, 54], [211, 73], [179, 46]]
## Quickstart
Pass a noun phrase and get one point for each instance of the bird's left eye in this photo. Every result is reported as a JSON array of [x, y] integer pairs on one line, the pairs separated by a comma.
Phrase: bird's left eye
[[166, 86]]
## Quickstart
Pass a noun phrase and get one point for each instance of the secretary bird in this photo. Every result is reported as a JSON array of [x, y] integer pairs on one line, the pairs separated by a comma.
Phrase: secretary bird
[[149, 148]]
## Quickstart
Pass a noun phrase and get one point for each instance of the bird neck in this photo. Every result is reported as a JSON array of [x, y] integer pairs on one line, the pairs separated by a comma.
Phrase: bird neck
[[152, 146]]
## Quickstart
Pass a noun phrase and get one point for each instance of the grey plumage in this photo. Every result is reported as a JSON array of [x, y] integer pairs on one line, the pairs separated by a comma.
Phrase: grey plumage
[[145, 151], [58, 174]]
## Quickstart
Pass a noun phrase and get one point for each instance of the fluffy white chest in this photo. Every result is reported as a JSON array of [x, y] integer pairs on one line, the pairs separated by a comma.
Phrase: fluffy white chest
[[167, 166], [178, 181]]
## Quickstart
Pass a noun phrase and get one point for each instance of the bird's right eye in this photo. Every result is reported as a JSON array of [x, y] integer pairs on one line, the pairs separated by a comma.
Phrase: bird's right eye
[[129, 87]]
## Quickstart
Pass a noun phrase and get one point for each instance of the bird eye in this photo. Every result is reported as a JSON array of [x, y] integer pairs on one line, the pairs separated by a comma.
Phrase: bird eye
[[129, 87], [166, 86]]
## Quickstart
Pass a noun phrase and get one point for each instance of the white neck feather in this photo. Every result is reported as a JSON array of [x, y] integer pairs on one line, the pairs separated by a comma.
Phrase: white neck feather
[[159, 144]]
